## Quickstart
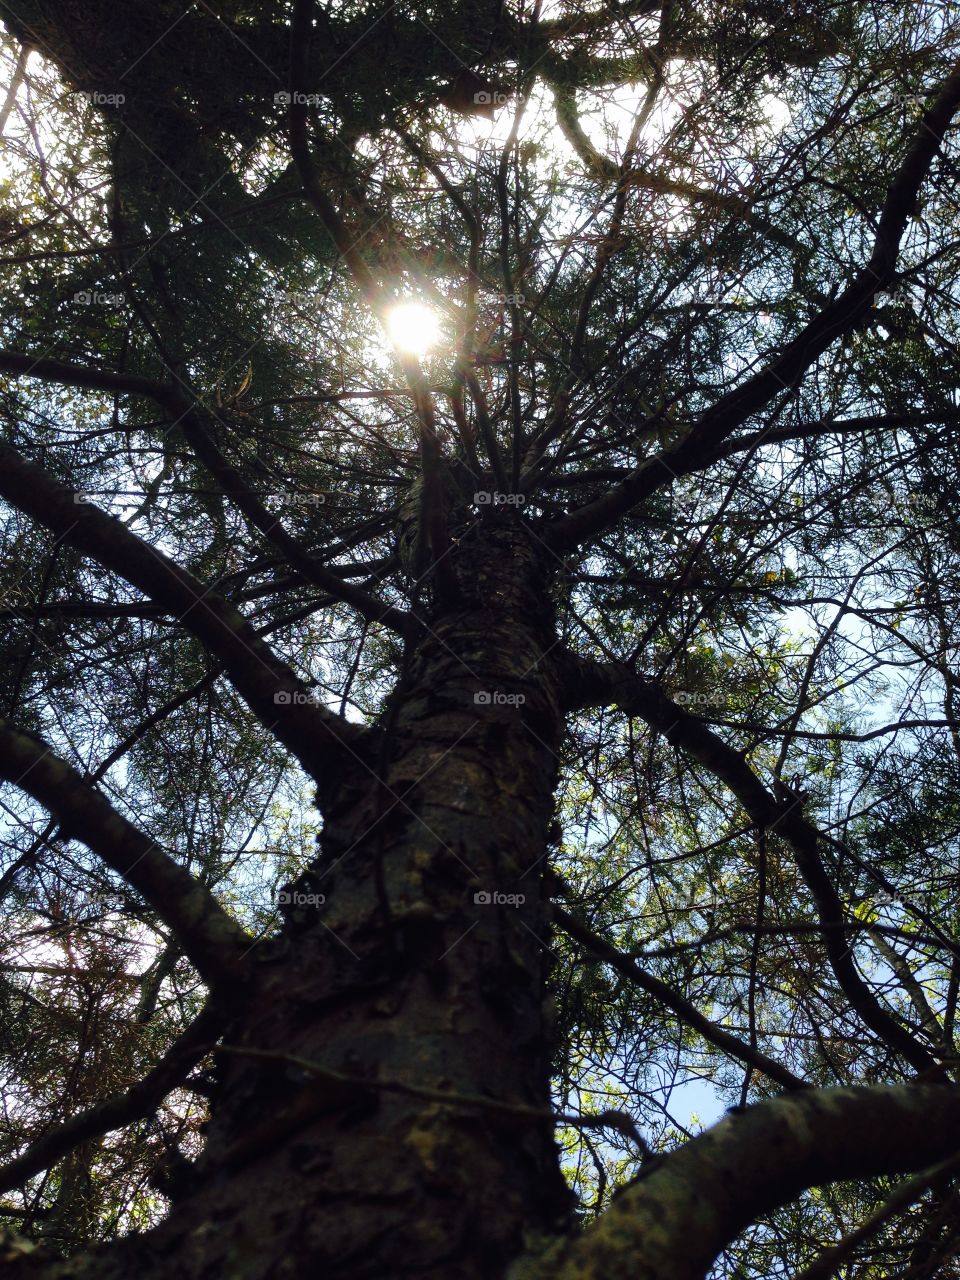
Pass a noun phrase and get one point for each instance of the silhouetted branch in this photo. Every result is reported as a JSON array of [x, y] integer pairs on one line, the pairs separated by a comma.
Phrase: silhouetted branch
[[638, 697], [275, 694], [214, 942], [688, 1014], [185, 413], [703, 443], [121, 1108], [676, 1217]]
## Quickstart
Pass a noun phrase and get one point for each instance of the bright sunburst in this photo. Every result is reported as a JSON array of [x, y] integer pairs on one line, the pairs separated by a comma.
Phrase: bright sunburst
[[413, 328]]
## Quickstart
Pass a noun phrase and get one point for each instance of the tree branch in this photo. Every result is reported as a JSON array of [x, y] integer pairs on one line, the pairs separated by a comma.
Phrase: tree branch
[[703, 443], [825, 1266], [185, 412], [73, 375], [688, 1014], [121, 1108], [275, 694], [214, 942], [685, 1208], [638, 697], [232, 481]]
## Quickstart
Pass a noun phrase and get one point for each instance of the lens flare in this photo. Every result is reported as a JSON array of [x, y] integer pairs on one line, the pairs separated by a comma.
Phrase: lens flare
[[413, 328]]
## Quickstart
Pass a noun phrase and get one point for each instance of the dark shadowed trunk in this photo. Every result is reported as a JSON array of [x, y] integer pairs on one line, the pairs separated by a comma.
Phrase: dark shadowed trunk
[[279, 313], [414, 953]]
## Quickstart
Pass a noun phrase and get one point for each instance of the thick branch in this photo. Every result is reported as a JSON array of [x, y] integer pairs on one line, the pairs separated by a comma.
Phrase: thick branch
[[73, 375], [184, 412], [213, 942], [702, 444], [565, 104], [841, 426], [122, 1108], [308, 730], [638, 697], [675, 1219], [308, 566], [688, 1014]]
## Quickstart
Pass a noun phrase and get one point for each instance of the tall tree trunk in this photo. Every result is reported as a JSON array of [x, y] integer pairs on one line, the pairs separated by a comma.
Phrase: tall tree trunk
[[403, 975]]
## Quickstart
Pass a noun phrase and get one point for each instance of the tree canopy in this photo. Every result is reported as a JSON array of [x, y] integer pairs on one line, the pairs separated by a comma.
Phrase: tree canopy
[[303, 301]]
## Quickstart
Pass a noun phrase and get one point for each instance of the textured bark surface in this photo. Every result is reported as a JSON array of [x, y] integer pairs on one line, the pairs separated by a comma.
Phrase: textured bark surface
[[402, 977], [674, 1219], [382, 1105]]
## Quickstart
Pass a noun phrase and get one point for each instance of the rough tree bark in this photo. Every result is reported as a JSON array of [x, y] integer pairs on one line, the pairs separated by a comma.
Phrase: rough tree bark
[[382, 1107], [402, 975]]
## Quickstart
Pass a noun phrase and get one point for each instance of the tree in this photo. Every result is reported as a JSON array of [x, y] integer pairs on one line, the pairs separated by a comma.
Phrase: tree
[[479, 627]]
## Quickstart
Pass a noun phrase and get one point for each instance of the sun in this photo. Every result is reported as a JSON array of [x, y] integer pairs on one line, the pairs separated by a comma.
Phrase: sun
[[413, 328]]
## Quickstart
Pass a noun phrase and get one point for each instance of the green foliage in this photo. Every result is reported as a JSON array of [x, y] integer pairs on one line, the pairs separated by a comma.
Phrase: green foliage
[[797, 589]]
